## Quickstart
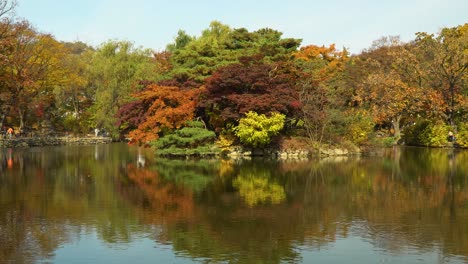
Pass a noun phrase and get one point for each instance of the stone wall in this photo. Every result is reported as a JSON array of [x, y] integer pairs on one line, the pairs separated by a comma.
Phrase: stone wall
[[52, 141]]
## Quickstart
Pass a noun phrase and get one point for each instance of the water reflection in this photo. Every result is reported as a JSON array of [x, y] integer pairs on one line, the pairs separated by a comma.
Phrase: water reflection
[[405, 205]]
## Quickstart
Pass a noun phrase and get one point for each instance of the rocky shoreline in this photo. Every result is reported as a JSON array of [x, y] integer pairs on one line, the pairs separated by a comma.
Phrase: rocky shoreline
[[25, 142], [290, 153], [234, 153]]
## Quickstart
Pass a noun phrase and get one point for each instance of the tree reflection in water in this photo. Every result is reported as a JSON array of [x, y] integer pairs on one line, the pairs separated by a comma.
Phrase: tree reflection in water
[[258, 211]]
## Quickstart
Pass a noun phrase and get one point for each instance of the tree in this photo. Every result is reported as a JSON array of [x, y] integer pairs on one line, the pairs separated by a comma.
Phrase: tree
[[393, 87], [320, 95], [32, 69], [256, 130], [7, 37], [73, 95], [390, 99], [444, 58], [192, 139], [251, 85], [115, 71], [164, 107], [219, 45], [180, 41]]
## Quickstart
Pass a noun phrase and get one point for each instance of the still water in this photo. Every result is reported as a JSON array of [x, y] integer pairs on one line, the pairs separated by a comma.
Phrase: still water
[[118, 204]]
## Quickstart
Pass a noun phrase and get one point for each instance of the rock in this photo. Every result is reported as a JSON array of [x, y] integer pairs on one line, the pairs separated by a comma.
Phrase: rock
[[338, 152], [294, 155], [247, 153], [234, 154]]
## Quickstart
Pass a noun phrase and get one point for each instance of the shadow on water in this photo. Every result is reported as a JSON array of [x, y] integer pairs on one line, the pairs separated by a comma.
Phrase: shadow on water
[[402, 205]]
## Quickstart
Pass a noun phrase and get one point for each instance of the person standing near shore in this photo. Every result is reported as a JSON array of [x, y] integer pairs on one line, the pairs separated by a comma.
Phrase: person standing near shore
[[10, 132], [451, 137]]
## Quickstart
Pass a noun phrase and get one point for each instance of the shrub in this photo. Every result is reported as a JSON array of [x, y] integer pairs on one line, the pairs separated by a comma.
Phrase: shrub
[[360, 127], [256, 130], [427, 133], [193, 139], [75, 125], [225, 142], [462, 136]]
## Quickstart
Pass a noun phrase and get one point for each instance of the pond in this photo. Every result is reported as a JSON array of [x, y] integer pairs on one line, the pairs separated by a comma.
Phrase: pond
[[119, 204]]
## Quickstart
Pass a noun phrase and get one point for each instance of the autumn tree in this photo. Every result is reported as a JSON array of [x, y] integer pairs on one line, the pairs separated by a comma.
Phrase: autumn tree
[[251, 85], [72, 95], [393, 87], [157, 109], [32, 69], [390, 99], [6, 47], [6, 21], [319, 94], [445, 61]]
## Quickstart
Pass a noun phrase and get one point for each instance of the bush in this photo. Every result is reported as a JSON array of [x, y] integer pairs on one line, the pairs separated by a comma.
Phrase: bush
[[256, 130], [225, 142], [193, 139], [75, 125], [462, 136], [360, 127], [427, 133]]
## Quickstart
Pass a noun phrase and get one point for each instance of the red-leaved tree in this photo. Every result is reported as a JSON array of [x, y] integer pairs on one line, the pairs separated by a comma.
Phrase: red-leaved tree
[[251, 85], [157, 109]]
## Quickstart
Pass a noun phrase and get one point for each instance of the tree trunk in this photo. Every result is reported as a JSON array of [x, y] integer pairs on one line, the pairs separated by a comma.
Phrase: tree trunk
[[21, 119], [396, 127], [2, 119], [5, 110], [452, 103]]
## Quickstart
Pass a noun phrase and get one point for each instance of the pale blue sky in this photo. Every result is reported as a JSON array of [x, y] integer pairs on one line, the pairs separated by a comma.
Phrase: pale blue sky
[[153, 24]]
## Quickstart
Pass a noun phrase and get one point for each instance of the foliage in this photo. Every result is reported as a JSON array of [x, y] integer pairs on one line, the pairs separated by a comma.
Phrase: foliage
[[359, 126], [225, 141], [196, 58], [251, 85], [32, 67], [256, 130], [225, 73], [193, 139], [158, 110], [427, 133], [73, 96], [74, 124], [443, 60], [114, 73], [462, 135], [319, 93]]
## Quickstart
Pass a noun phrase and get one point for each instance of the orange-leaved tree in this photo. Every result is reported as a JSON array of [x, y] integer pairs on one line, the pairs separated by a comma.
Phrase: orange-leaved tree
[[159, 109], [320, 69], [390, 99]]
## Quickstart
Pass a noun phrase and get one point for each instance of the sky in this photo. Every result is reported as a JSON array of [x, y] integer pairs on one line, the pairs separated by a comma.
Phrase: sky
[[154, 23]]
